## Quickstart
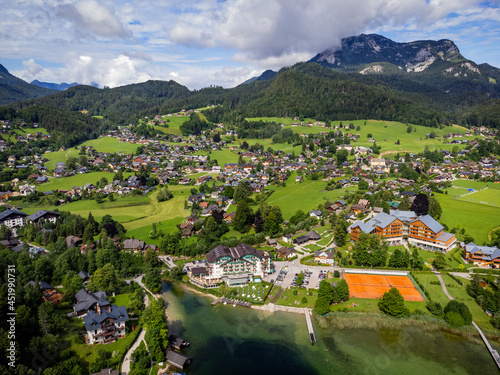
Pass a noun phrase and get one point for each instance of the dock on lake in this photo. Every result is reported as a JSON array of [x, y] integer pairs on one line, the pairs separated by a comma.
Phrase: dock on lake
[[309, 326]]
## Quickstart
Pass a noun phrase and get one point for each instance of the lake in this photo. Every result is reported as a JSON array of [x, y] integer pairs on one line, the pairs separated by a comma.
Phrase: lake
[[237, 340]]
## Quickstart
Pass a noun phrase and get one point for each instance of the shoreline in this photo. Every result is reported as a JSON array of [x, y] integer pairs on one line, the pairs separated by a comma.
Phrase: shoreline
[[358, 320]]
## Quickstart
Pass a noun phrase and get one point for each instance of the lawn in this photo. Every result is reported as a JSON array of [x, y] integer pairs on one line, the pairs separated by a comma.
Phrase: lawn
[[174, 123], [59, 156], [112, 145], [253, 292], [24, 131], [67, 183], [368, 305], [385, 134], [305, 196], [88, 353], [121, 300], [477, 219], [475, 184], [460, 294], [289, 299], [435, 291], [489, 197], [224, 156]]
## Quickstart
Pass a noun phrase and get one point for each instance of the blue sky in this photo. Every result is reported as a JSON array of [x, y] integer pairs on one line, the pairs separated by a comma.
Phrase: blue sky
[[209, 42]]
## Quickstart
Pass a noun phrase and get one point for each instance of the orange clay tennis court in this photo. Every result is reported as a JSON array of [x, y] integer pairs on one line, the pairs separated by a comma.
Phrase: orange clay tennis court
[[374, 286]]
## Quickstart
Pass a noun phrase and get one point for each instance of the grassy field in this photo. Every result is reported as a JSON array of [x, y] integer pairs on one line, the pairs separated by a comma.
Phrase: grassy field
[[305, 196], [478, 219], [371, 305], [489, 197], [59, 156], [110, 144], [435, 291], [104, 144], [174, 124], [121, 300], [24, 131], [385, 133], [67, 183], [224, 156], [460, 294], [289, 299]]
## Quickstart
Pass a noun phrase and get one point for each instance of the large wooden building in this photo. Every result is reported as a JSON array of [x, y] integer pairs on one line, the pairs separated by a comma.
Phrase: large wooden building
[[428, 234], [483, 255], [383, 225]]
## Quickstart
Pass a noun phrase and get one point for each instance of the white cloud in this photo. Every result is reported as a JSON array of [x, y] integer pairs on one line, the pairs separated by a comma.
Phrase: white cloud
[[32, 66], [91, 16]]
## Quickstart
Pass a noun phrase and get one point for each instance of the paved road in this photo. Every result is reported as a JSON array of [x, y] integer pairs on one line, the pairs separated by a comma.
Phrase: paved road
[[167, 260], [139, 338], [443, 285], [126, 361]]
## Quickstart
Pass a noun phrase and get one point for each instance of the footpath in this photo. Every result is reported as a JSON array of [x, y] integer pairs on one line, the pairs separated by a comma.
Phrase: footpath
[[493, 352], [125, 368]]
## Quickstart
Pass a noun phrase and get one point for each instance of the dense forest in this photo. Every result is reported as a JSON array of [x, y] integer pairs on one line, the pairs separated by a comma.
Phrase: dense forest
[[306, 89]]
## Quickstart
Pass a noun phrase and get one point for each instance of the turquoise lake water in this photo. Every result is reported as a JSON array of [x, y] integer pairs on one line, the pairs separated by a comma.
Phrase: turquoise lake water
[[238, 340]]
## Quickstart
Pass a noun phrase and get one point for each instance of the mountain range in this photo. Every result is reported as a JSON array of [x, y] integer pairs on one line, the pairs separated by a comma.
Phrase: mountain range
[[369, 76], [58, 86]]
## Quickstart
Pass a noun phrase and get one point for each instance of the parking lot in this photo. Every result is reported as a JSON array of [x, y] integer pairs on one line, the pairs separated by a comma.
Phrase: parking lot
[[287, 271]]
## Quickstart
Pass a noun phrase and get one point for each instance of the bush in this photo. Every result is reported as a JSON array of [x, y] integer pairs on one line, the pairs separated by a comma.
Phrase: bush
[[304, 300], [295, 292], [393, 303], [461, 309], [454, 319], [435, 308], [495, 321], [336, 273]]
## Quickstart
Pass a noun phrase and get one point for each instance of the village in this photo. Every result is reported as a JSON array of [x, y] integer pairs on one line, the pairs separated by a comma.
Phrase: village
[[251, 224]]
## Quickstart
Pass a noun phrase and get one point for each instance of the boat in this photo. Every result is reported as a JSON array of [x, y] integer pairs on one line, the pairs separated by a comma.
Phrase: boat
[[225, 303], [234, 304]]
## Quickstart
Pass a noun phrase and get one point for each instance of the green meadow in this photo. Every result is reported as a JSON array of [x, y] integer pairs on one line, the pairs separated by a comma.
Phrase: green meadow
[[477, 219], [66, 183], [104, 144], [385, 133], [111, 145], [174, 123], [303, 195], [24, 131]]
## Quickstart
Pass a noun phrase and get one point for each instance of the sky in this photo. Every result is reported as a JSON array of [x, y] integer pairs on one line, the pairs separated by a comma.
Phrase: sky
[[199, 43]]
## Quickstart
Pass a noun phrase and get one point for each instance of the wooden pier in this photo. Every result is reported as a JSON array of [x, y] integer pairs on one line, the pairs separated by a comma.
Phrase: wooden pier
[[492, 351], [309, 326]]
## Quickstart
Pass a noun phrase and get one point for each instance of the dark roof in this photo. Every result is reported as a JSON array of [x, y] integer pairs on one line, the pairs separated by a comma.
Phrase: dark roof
[[234, 252], [93, 319], [4, 215], [133, 244], [198, 270], [177, 359], [84, 275], [37, 215], [87, 300]]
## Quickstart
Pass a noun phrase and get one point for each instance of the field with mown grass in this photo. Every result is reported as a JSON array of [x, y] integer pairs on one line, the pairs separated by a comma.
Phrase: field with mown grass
[[460, 294], [385, 133], [24, 131], [289, 299], [368, 305], [477, 219], [303, 195], [67, 183]]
